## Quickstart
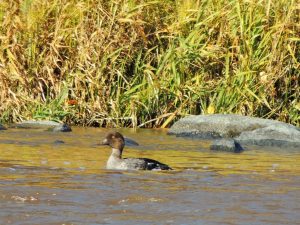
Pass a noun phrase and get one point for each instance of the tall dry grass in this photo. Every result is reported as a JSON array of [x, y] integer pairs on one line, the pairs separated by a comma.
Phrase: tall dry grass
[[146, 63]]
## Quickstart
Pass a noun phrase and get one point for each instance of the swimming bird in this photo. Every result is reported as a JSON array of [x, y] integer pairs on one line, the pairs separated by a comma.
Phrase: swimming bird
[[116, 141]]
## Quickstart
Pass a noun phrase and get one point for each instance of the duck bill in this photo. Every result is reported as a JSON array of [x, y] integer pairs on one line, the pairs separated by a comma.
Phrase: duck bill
[[105, 142]]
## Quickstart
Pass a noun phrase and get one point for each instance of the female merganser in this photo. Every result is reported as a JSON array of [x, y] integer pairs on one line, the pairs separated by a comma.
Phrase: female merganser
[[116, 141]]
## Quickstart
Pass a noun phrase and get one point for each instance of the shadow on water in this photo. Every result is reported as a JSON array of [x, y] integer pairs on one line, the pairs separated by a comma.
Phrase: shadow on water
[[59, 178]]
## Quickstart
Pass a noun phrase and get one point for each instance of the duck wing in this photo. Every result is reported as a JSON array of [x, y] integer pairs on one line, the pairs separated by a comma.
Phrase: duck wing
[[145, 164]]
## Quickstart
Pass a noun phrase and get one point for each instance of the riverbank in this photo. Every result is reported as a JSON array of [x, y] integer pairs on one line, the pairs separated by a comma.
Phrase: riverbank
[[110, 63]]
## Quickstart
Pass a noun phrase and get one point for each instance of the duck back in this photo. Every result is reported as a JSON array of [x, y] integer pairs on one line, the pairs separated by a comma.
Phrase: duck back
[[145, 164]]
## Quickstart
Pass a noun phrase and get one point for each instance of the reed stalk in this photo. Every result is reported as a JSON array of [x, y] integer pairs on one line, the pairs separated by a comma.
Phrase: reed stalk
[[142, 63]]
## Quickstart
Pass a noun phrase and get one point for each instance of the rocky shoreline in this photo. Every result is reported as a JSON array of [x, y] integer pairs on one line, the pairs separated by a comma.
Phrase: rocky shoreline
[[243, 130]]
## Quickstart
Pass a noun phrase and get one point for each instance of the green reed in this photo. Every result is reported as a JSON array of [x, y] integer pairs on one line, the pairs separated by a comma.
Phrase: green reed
[[147, 63]]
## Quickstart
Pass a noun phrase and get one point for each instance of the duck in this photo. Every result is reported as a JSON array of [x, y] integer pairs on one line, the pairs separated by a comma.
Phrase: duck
[[115, 161]]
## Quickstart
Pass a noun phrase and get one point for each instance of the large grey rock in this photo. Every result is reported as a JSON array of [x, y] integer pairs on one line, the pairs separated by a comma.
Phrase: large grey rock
[[32, 124], [43, 124], [279, 136], [244, 129]]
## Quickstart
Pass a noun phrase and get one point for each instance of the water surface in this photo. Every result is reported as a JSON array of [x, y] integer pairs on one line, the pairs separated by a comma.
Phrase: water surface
[[60, 178]]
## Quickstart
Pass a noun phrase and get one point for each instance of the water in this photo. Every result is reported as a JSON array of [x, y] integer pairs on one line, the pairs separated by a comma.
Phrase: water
[[60, 178]]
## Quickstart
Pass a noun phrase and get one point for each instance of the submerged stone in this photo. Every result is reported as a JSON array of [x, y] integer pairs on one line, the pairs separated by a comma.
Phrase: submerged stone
[[58, 142], [2, 127], [62, 128], [228, 145], [244, 129], [130, 142]]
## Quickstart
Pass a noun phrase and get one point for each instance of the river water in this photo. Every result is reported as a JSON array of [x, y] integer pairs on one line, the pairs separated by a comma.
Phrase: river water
[[60, 178]]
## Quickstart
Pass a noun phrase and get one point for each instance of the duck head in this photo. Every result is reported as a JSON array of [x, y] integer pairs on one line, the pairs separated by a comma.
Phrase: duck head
[[115, 140]]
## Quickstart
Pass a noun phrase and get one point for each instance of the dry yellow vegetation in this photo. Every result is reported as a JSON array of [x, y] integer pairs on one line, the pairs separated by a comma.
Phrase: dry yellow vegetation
[[146, 63]]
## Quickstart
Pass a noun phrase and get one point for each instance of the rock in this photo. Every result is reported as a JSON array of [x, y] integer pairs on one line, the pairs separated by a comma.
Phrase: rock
[[44, 124], [58, 142], [228, 145], [2, 127], [244, 129], [130, 142], [278, 136], [31, 124], [62, 128]]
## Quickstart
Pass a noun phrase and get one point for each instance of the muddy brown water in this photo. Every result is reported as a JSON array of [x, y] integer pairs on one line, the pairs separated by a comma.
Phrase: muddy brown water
[[45, 181]]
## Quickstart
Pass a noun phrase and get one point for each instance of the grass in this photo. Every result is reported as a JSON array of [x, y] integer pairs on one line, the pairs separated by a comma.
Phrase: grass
[[147, 63]]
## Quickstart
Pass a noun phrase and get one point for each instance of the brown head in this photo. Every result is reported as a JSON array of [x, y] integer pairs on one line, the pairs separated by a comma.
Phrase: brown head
[[115, 140]]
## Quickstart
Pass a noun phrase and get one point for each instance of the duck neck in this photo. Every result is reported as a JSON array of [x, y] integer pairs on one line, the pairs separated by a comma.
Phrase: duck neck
[[116, 153]]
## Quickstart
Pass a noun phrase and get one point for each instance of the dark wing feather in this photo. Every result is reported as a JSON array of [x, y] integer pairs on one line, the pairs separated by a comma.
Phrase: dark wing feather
[[147, 164]]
